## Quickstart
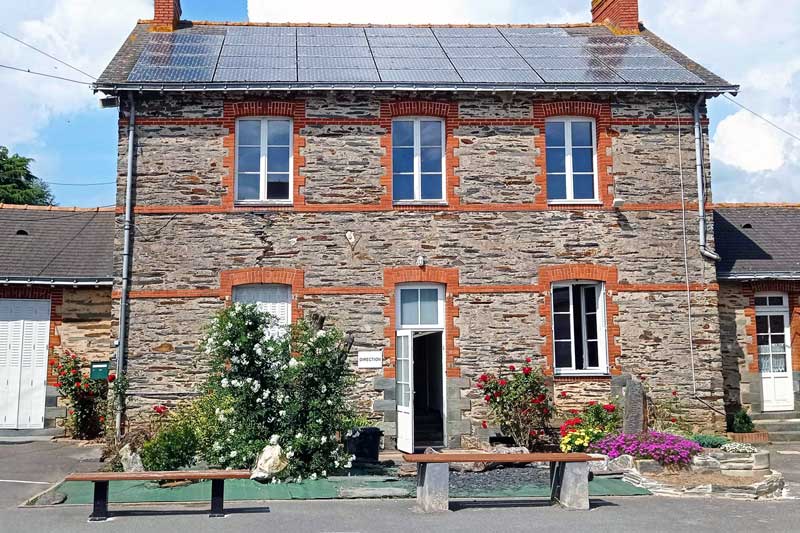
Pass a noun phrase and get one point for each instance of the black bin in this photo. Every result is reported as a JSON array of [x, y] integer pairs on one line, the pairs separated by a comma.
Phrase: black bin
[[365, 443]]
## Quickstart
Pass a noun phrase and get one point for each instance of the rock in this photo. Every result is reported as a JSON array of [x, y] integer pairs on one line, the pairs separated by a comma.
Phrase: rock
[[504, 450], [407, 470], [633, 412], [51, 497], [599, 463], [648, 466], [621, 463], [131, 461], [705, 464], [761, 460], [270, 462]]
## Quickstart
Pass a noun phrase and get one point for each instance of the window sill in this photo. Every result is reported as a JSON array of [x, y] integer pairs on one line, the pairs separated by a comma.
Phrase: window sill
[[259, 203], [419, 202], [577, 376], [574, 202]]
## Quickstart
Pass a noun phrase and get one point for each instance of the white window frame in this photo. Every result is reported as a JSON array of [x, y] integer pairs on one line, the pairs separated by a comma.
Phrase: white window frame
[[784, 307], [418, 161], [282, 286], [775, 310], [440, 295], [263, 199], [568, 170], [602, 329]]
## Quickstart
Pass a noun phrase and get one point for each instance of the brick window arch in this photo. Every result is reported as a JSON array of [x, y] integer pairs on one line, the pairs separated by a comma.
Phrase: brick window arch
[[601, 113], [446, 111], [449, 278], [550, 275], [293, 278]]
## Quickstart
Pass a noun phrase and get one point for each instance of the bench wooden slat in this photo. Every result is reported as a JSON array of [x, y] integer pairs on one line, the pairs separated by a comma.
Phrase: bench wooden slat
[[159, 476], [497, 457]]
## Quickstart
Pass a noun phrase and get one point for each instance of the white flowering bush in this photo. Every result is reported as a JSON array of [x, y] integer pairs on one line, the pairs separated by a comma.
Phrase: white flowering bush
[[738, 447], [276, 385]]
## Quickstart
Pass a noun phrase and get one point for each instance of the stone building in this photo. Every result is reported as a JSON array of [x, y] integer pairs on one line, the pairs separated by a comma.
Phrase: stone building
[[759, 313], [56, 272], [459, 198]]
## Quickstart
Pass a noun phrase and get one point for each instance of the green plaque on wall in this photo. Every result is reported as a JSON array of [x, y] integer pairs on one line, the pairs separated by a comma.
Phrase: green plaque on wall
[[99, 370]]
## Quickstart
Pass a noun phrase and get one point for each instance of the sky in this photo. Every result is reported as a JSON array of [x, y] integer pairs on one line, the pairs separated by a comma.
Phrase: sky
[[754, 43]]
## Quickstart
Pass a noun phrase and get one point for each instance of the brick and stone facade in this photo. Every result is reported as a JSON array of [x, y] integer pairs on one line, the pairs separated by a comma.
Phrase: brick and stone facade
[[496, 245]]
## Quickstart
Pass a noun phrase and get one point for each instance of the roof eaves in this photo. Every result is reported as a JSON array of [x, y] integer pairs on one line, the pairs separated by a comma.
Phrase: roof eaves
[[61, 281]]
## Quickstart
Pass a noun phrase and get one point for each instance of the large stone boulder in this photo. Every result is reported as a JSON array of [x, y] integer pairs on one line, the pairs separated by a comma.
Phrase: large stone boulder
[[131, 461]]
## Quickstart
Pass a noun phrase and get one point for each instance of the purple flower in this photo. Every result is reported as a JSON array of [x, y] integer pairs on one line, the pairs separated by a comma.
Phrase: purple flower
[[665, 448]]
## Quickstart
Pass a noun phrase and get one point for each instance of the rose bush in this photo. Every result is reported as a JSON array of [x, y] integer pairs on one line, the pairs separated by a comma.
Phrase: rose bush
[[520, 403], [86, 397]]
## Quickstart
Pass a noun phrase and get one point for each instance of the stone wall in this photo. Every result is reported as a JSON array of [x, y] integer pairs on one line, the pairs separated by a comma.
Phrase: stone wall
[[86, 323], [493, 233]]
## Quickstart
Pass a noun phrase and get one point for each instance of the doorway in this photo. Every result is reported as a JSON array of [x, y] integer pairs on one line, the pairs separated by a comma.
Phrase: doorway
[[428, 391], [774, 351]]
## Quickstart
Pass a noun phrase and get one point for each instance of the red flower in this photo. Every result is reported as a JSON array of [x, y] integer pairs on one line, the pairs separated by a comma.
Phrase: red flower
[[74, 371], [58, 384], [60, 367], [545, 411], [574, 411], [160, 409], [85, 384], [502, 383], [484, 378], [526, 370], [488, 397], [73, 356], [102, 419], [72, 411], [512, 368], [563, 394], [537, 401], [593, 402], [78, 385], [62, 373], [52, 362], [610, 407], [479, 385], [673, 420], [498, 394], [541, 398], [528, 359], [111, 378], [484, 425], [674, 393], [533, 433]]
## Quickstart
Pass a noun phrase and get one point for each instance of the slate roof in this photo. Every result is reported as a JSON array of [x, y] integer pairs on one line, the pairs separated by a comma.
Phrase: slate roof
[[758, 242], [57, 244], [229, 56]]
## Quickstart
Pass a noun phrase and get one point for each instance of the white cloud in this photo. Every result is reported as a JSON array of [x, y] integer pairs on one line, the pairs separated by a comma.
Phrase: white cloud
[[748, 143], [84, 33]]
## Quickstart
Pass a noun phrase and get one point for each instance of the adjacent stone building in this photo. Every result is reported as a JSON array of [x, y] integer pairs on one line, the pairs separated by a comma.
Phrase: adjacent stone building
[[759, 313], [55, 293], [458, 198]]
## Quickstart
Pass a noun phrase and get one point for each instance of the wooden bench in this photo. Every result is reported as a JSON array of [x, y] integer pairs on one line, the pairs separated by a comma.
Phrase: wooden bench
[[569, 476], [102, 479]]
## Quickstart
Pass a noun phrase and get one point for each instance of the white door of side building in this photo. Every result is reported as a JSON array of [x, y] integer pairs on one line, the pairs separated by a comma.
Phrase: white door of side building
[[774, 351], [404, 391], [24, 338]]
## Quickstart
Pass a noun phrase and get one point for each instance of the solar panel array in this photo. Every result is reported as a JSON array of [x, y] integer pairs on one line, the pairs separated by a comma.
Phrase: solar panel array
[[404, 55]]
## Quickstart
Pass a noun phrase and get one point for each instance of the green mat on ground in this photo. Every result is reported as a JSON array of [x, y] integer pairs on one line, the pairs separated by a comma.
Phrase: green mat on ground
[[80, 492]]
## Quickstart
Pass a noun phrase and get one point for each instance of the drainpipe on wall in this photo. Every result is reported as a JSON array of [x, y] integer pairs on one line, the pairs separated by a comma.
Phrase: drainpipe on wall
[[701, 182], [122, 342]]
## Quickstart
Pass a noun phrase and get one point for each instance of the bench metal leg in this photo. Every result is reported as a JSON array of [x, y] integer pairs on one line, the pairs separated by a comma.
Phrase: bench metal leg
[[100, 507], [433, 487], [556, 480], [217, 498]]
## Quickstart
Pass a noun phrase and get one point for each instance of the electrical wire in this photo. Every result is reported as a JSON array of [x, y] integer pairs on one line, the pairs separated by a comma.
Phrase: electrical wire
[[20, 41], [765, 119], [29, 71]]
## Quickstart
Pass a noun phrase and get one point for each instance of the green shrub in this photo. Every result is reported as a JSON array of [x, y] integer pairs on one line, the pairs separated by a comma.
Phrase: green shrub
[[710, 441], [742, 423], [173, 447]]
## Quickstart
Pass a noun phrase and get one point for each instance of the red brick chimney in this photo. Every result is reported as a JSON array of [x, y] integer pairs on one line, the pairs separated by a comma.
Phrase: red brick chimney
[[621, 15], [167, 15]]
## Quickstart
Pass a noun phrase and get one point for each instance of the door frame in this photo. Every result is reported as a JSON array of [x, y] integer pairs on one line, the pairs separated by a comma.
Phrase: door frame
[[783, 310], [438, 327]]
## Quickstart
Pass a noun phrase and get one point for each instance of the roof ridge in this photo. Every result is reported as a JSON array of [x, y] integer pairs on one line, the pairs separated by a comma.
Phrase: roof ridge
[[378, 25], [727, 205], [25, 207]]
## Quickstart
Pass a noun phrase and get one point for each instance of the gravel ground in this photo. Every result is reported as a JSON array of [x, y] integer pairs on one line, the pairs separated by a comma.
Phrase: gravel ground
[[499, 478]]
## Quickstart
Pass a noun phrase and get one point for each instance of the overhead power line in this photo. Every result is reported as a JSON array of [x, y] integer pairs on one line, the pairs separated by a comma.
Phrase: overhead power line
[[765, 119], [29, 71], [20, 41]]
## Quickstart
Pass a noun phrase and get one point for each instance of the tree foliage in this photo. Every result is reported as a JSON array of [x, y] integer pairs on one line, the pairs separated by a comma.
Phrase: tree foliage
[[18, 185]]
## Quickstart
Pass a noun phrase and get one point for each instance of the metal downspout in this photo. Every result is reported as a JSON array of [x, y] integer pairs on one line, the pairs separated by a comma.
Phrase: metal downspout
[[122, 339], [701, 182]]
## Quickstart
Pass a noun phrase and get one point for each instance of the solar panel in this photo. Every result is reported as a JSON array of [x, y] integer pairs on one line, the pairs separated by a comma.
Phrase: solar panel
[[180, 49], [398, 32], [678, 76], [473, 42], [401, 63], [578, 76], [585, 63], [632, 51], [327, 31], [421, 76], [533, 32], [258, 51], [256, 74], [336, 62], [482, 63], [177, 57], [331, 40], [465, 53], [466, 32], [499, 76], [185, 38], [260, 62], [407, 52], [333, 51], [561, 51], [170, 74], [625, 63], [404, 42], [337, 74]]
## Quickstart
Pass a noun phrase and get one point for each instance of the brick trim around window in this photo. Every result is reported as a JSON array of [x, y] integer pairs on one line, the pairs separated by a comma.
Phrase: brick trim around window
[[601, 113], [792, 289], [449, 277], [233, 110], [56, 297], [295, 278], [420, 108], [606, 274]]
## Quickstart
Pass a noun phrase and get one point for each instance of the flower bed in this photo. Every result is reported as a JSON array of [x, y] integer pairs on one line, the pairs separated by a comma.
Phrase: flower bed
[[665, 448]]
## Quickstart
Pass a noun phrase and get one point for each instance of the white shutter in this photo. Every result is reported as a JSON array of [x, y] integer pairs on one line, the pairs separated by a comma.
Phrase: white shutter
[[273, 299], [33, 371], [10, 343]]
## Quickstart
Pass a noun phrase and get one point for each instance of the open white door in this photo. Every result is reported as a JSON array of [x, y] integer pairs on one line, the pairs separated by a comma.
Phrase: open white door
[[404, 392]]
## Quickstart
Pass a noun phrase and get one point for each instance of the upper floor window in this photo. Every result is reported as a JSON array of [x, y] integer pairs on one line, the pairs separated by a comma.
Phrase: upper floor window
[[571, 160], [264, 160], [275, 299], [418, 160], [579, 330]]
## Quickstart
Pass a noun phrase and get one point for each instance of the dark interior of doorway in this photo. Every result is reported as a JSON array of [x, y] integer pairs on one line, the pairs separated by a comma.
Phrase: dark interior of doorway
[[428, 393]]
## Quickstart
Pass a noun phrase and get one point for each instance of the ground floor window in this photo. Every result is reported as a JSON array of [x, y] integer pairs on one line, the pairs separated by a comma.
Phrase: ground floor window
[[772, 323], [274, 299], [579, 328]]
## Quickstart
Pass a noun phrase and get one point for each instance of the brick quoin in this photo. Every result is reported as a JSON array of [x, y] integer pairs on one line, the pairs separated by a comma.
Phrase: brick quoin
[[233, 110], [622, 16], [608, 275], [295, 278], [601, 113], [56, 297], [449, 277], [166, 15], [420, 108], [749, 290]]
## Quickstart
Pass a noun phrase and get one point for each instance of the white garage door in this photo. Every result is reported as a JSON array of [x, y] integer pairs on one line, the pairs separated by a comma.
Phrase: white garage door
[[24, 337]]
